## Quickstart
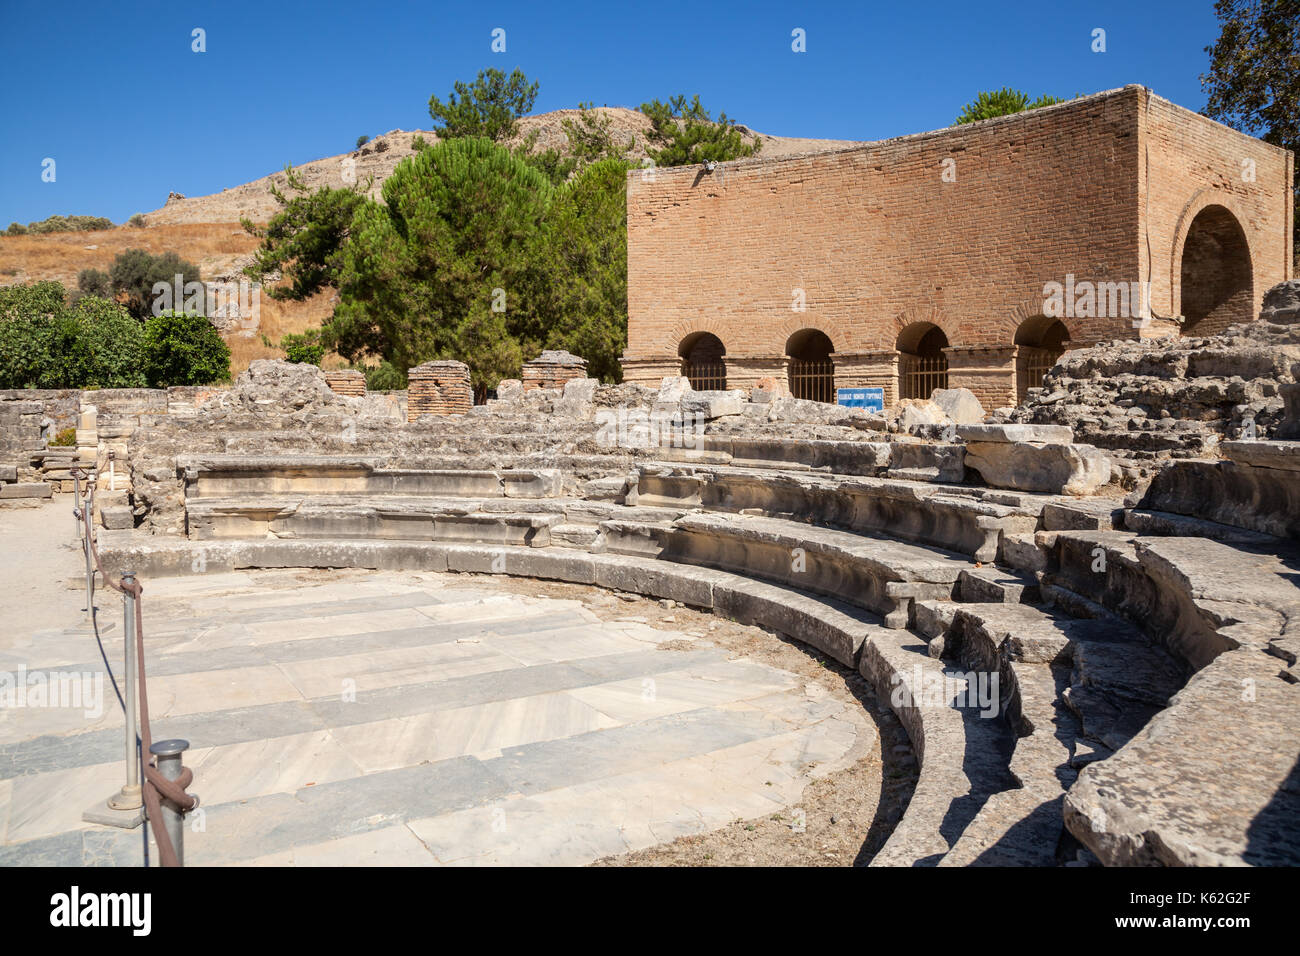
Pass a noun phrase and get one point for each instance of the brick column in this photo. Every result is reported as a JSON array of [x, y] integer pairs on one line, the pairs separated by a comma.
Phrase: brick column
[[347, 382], [870, 369], [649, 370], [987, 370], [438, 388], [552, 369]]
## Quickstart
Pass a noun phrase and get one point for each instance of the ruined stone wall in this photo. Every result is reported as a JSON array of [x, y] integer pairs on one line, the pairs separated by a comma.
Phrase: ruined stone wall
[[877, 241]]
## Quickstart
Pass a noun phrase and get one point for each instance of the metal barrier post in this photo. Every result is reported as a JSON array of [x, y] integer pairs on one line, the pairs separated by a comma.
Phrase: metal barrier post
[[86, 546], [129, 798], [169, 754]]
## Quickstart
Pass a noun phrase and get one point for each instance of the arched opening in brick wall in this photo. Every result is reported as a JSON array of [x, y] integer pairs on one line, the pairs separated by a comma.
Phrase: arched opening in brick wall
[[1216, 275], [811, 369], [704, 361], [1039, 341], [922, 365]]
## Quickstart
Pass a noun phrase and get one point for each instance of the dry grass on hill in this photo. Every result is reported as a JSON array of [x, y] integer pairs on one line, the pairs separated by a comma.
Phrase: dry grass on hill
[[216, 248]]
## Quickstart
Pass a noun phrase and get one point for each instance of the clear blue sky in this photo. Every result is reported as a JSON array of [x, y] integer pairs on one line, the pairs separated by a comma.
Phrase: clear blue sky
[[113, 93]]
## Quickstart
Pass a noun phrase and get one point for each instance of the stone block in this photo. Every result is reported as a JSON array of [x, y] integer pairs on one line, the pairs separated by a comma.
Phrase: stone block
[[116, 517], [1063, 469], [1015, 433], [34, 489], [714, 404], [959, 404]]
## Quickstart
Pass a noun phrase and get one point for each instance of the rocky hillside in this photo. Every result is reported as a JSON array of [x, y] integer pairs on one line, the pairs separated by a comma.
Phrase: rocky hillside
[[379, 157]]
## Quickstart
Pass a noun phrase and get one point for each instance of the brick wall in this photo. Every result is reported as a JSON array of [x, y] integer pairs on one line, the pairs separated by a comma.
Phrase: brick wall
[[875, 240]]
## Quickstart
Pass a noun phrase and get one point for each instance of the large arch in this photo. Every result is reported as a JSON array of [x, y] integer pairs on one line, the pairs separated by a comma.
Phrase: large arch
[[922, 364], [1215, 273], [704, 361], [811, 371], [1040, 340]]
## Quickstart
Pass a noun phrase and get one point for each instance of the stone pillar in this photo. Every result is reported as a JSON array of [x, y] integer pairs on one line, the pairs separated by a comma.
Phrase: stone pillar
[[987, 370], [438, 388], [348, 382], [552, 369], [871, 369]]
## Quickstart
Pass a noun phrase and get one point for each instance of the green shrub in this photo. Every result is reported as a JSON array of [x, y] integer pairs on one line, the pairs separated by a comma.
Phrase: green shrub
[[184, 349], [303, 347], [137, 220], [66, 438], [16, 229], [384, 377], [94, 282], [362, 140]]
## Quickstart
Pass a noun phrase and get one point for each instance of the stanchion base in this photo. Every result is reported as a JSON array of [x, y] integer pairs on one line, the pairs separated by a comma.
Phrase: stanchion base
[[104, 815]]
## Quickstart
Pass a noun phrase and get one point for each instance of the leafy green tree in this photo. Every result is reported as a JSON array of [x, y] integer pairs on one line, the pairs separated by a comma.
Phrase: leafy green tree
[[682, 134], [304, 241], [1254, 78], [45, 345], [135, 272], [110, 345], [39, 298], [489, 107], [461, 230], [181, 348], [1003, 102], [588, 234], [362, 140]]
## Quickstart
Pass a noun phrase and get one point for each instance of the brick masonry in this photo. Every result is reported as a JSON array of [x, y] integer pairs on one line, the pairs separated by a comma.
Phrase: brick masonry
[[438, 388], [876, 241], [552, 369], [347, 382]]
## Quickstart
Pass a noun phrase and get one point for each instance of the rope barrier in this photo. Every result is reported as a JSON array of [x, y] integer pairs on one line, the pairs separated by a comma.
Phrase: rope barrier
[[156, 786]]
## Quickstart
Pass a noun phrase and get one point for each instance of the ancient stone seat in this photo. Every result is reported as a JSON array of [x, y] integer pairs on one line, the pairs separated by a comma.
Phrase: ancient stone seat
[[963, 519]]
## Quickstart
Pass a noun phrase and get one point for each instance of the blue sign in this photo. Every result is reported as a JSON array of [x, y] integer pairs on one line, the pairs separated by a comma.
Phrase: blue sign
[[872, 399]]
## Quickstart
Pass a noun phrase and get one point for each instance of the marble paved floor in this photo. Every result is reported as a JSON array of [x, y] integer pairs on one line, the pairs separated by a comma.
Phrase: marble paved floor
[[407, 719]]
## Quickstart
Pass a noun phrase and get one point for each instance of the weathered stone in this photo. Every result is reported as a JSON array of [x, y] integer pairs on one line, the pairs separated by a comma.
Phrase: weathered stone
[[1031, 466], [116, 517], [713, 404], [510, 390], [1204, 783], [959, 404], [673, 389], [8, 472], [911, 413], [1282, 303], [1015, 433]]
